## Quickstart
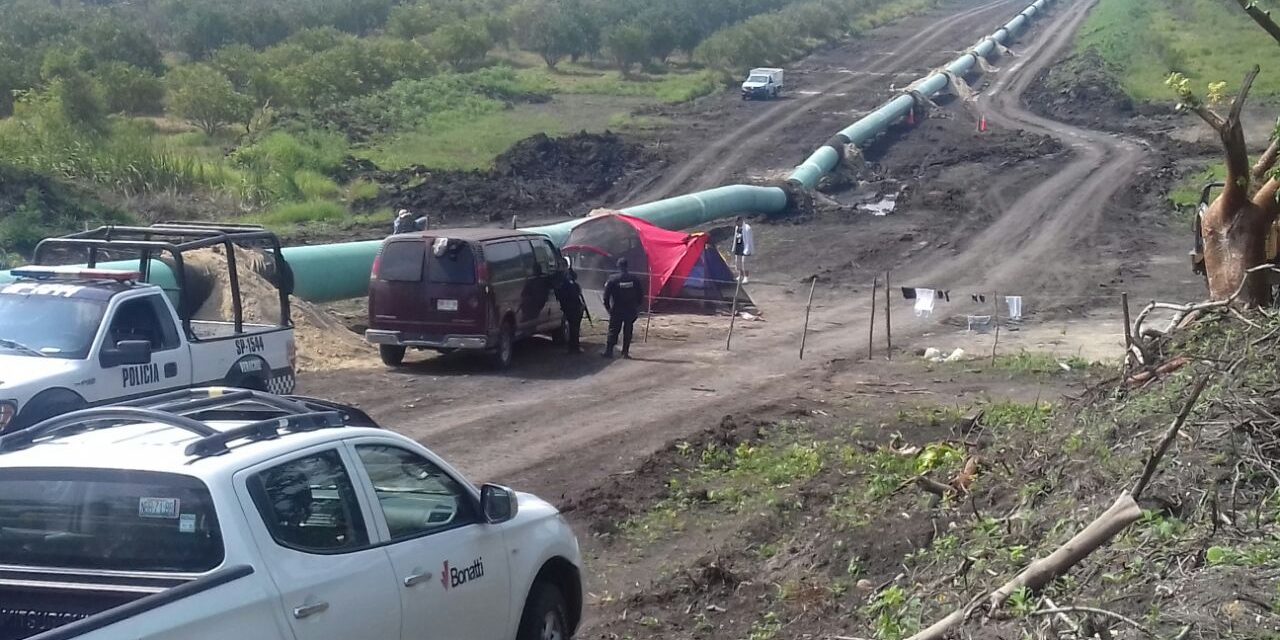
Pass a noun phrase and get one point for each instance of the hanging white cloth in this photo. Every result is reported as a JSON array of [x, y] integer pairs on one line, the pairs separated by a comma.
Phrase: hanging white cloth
[[924, 302], [1015, 307]]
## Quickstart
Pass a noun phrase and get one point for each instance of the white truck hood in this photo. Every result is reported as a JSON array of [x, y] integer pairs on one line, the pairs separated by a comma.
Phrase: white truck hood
[[17, 369], [753, 85]]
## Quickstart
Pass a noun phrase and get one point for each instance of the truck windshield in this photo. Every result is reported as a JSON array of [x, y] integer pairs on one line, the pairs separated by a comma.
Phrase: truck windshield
[[96, 519], [49, 325], [758, 79]]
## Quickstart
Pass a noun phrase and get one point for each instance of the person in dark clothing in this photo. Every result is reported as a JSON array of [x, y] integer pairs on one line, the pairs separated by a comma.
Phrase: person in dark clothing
[[623, 296], [569, 294]]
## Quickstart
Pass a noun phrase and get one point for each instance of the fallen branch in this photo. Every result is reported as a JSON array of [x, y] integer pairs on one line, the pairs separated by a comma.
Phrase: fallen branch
[[1095, 611], [1153, 462], [1121, 514]]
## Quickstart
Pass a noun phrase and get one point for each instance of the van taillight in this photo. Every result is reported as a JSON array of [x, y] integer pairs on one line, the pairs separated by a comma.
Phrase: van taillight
[[482, 273], [377, 267]]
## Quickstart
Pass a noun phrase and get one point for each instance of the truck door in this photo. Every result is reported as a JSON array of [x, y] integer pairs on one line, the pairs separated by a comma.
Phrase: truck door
[[149, 319], [311, 524], [451, 567]]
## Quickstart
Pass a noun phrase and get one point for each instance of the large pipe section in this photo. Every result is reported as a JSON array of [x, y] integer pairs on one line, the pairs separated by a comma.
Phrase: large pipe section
[[325, 273], [877, 122]]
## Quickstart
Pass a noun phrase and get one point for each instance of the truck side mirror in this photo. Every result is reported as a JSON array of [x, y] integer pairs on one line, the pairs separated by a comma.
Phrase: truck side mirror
[[127, 352], [499, 504]]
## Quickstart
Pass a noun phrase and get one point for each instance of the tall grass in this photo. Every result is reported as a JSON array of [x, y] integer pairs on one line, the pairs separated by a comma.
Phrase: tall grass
[[672, 88], [1206, 40]]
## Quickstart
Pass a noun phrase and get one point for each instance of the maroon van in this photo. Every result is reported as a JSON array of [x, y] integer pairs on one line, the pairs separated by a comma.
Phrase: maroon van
[[474, 289]]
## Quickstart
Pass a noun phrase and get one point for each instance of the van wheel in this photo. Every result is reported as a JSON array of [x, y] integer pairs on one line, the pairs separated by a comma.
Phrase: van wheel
[[545, 615], [392, 355], [502, 356]]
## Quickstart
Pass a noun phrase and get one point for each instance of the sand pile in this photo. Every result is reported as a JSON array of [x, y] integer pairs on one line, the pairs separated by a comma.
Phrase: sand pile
[[323, 342]]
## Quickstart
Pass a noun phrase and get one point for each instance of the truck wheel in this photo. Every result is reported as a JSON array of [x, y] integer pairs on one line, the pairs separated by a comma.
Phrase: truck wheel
[[48, 404], [545, 615], [392, 355], [504, 353]]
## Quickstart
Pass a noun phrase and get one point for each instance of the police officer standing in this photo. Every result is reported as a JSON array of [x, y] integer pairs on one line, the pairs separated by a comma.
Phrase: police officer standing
[[569, 294], [623, 295]]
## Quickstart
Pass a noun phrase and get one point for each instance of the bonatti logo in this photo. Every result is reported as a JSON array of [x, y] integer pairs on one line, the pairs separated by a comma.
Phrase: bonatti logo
[[453, 577]]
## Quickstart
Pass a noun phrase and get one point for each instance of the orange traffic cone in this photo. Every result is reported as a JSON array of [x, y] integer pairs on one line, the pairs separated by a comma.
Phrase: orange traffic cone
[[982, 124]]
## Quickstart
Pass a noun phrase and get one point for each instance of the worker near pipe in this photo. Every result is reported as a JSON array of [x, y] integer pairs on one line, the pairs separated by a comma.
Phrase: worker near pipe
[[744, 245], [623, 297]]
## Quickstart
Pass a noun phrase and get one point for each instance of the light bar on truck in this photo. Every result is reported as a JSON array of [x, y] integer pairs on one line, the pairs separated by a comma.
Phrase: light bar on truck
[[75, 273]]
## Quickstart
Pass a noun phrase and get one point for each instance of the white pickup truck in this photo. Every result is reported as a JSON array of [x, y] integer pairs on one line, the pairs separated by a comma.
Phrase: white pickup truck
[[763, 83], [228, 514], [73, 336]]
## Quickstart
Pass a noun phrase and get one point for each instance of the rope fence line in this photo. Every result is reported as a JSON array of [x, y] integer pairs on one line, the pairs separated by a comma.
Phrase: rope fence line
[[984, 312]]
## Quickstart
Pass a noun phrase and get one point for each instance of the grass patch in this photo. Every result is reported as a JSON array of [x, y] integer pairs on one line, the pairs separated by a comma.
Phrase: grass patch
[[1037, 363], [1206, 40], [1185, 196], [296, 213], [628, 122], [670, 88], [462, 143]]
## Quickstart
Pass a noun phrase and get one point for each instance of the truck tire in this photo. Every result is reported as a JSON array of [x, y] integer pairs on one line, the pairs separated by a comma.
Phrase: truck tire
[[546, 616], [392, 355], [504, 352], [48, 404]]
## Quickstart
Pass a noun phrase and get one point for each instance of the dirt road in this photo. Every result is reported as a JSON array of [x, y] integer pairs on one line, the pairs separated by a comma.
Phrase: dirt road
[[742, 136], [558, 426]]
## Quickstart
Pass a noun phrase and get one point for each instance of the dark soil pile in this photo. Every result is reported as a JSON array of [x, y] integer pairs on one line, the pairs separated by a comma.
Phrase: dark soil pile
[[1083, 90], [538, 178], [914, 152]]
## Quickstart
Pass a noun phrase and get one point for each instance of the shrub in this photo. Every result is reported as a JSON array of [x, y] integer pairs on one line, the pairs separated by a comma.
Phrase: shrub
[[313, 186], [128, 89]]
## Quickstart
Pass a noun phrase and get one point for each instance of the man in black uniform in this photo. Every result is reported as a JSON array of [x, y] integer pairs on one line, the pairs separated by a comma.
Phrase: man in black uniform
[[569, 294], [623, 295]]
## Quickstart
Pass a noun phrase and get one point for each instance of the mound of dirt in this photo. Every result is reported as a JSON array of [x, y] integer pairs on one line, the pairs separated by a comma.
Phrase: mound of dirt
[[1082, 89], [323, 342], [539, 177]]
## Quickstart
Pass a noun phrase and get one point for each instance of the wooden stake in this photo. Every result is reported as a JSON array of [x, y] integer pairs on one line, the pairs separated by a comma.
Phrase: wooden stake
[[648, 320], [1128, 332], [804, 337], [996, 318], [871, 328], [728, 343], [888, 319]]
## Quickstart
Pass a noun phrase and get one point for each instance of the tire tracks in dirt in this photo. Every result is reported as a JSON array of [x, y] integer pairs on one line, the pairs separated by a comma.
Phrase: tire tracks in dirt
[[711, 166], [1040, 240]]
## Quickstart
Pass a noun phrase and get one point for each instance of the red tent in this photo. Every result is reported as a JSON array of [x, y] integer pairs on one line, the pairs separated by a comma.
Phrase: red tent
[[680, 266]]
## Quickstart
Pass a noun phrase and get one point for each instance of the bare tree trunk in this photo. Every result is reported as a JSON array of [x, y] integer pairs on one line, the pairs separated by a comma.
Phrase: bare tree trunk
[[1234, 227]]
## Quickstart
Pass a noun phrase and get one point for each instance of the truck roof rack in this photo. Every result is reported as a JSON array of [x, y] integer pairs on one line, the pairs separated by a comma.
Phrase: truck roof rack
[[174, 239], [270, 416]]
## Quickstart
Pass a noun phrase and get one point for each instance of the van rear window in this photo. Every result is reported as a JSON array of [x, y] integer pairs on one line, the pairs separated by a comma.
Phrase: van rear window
[[99, 519], [402, 261], [455, 266]]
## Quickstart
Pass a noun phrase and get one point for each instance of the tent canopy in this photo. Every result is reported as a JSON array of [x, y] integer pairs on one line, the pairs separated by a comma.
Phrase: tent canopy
[[680, 267]]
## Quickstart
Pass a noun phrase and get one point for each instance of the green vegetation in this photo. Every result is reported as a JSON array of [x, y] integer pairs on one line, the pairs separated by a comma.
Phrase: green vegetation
[[1205, 40]]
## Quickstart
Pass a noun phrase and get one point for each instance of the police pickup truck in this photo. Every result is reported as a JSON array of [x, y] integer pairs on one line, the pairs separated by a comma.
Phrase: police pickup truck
[[230, 514], [75, 336]]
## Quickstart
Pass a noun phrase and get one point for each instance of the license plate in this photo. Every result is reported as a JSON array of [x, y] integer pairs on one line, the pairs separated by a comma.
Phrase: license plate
[[447, 305]]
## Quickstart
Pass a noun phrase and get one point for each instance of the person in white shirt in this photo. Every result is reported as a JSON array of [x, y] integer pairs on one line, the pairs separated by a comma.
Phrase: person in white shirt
[[744, 244]]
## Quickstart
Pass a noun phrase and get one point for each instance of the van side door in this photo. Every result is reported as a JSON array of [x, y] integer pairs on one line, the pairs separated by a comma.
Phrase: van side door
[[312, 524], [148, 318], [551, 269], [507, 280]]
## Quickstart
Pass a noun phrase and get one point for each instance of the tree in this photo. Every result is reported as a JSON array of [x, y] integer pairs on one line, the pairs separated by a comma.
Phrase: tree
[[460, 44], [128, 89], [205, 97], [627, 44], [1235, 225], [546, 28], [112, 39]]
